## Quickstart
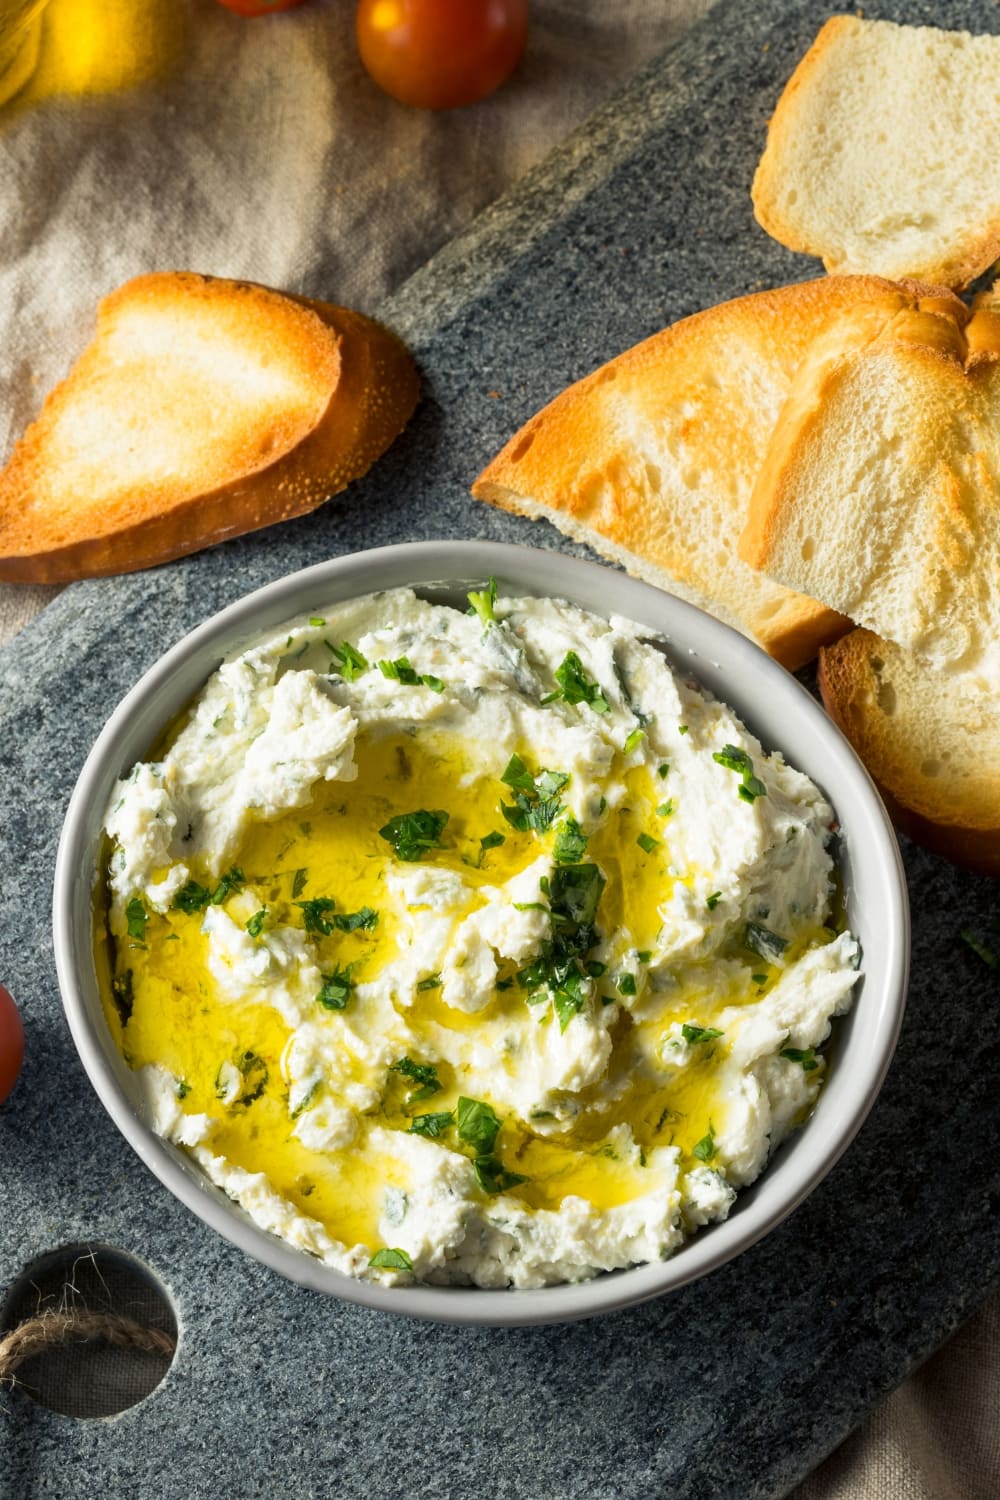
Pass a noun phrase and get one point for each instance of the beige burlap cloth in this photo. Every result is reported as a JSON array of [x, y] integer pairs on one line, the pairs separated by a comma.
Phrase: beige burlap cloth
[[171, 134]]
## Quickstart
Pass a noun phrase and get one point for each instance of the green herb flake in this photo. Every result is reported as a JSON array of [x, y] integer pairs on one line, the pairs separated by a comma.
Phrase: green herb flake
[[663, 771], [391, 1260], [349, 661], [576, 687], [317, 915], [647, 842], [299, 882], [804, 1056], [570, 845], [316, 621], [490, 841], [136, 917], [432, 1126], [492, 1176], [695, 1034], [192, 898], [255, 926], [627, 985], [682, 729], [229, 884], [665, 809], [122, 990], [400, 671], [356, 921], [536, 802], [432, 982], [759, 978], [634, 738], [482, 601], [336, 990], [424, 1074], [644, 955], [182, 1090], [414, 835], [735, 759], [705, 1148], [478, 1125], [765, 943], [713, 900]]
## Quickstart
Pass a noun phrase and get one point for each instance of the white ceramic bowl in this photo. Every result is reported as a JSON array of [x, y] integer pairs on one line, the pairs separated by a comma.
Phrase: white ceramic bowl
[[770, 701]]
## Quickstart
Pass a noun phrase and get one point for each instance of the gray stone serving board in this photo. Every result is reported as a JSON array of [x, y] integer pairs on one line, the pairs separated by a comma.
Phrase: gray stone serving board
[[735, 1386]]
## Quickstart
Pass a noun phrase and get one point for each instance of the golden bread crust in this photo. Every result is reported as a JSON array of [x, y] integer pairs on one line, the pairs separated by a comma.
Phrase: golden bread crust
[[202, 409]]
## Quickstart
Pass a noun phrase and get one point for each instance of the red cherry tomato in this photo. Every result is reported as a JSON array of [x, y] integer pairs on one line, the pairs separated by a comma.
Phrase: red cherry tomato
[[439, 54], [11, 1043], [258, 7]]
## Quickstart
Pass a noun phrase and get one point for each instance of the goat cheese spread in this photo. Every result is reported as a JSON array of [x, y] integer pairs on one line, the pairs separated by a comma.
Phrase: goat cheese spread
[[472, 948]]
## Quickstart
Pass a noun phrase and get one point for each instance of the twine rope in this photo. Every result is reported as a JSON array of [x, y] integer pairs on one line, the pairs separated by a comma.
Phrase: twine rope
[[39, 1334]]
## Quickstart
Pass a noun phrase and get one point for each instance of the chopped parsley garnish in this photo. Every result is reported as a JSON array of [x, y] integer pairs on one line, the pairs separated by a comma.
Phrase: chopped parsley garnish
[[759, 978], [182, 1090], [682, 729], [478, 1125], [124, 995], [663, 771], [391, 1260], [432, 1125], [193, 897], [570, 845], [299, 881], [316, 620], [432, 982], [423, 1073], [705, 1149], [595, 968], [136, 917], [627, 985], [762, 941], [401, 671], [576, 687], [644, 955], [569, 998], [713, 900], [493, 1176], [482, 603], [317, 915], [635, 737], [735, 759], [804, 1056], [362, 920], [574, 893], [490, 841], [536, 802], [696, 1034], [229, 884], [255, 926], [666, 808], [413, 835], [253, 1080], [336, 990], [980, 949], [349, 661], [647, 842]]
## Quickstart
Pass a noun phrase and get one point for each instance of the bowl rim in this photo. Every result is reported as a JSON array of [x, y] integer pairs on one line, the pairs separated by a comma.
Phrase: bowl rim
[[719, 652]]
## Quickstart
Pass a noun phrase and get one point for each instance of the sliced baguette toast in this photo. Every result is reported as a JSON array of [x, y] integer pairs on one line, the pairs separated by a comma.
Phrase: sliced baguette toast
[[652, 459], [881, 154], [202, 409], [880, 492], [931, 743]]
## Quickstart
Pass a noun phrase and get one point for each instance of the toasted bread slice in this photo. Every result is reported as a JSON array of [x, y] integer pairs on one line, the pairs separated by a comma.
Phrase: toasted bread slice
[[881, 154], [202, 409], [652, 459], [880, 493], [931, 743]]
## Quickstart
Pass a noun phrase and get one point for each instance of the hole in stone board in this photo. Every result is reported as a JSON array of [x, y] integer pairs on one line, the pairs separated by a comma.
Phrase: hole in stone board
[[86, 1330]]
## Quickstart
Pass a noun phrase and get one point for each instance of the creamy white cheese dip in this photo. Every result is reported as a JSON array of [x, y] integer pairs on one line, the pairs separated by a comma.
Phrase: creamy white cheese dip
[[472, 948]]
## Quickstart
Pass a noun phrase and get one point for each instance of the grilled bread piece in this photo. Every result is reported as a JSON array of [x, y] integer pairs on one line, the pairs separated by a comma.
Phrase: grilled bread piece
[[881, 155], [931, 742], [652, 459], [202, 409], [880, 493]]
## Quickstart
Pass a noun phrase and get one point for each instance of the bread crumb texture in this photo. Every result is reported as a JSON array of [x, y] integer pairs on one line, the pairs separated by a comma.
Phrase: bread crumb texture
[[881, 154]]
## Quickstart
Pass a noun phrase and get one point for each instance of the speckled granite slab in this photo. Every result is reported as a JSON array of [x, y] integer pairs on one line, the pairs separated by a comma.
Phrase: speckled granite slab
[[735, 1386]]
